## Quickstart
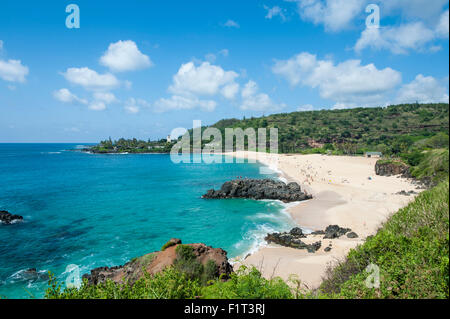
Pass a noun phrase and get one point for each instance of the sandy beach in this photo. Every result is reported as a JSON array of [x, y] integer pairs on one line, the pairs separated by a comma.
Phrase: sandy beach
[[345, 192]]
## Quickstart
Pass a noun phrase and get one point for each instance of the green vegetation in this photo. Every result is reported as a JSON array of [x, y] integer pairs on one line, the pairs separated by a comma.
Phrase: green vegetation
[[411, 251], [391, 130], [170, 243], [131, 146], [174, 284], [187, 264]]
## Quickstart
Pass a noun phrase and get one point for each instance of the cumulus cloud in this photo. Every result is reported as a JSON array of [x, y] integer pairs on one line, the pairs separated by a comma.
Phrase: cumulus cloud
[[124, 56], [192, 83], [335, 15], [133, 105], [442, 28], [275, 11], [97, 106], [399, 40], [13, 71], [253, 100], [65, 96], [106, 97], [90, 79], [231, 24], [345, 82], [423, 89], [229, 91], [206, 79], [177, 102]]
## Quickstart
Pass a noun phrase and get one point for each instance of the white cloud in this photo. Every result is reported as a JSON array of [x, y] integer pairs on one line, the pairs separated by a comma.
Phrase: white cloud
[[275, 11], [133, 105], [206, 79], [65, 96], [346, 82], [97, 106], [106, 97], [442, 27], [411, 36], [191, 82], [177, 102], [13, 71], [424, 89], [255, 101], [229, 91], [125, 56], [232, 24], [335, 15], [1, 45], [90, 79]]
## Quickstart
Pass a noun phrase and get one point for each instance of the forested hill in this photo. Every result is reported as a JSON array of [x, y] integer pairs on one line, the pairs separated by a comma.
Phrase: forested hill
[[390, 130]]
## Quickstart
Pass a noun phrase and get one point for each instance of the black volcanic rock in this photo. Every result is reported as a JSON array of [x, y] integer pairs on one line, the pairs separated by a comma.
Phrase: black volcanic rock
[[7, 218], [352, 235], [334, 231], [259, 189], [384, 168], [292, 240]]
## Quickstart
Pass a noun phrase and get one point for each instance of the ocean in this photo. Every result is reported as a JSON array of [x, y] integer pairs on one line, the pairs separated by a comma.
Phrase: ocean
[[94, 210]]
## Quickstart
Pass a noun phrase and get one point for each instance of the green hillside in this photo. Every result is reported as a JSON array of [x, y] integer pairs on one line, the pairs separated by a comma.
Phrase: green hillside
[[391, 130]]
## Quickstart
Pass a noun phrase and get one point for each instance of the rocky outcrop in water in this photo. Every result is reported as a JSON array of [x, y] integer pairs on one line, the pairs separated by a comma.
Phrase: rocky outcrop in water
[[259, 189], [387, 168], [7, 218], [156, 262]]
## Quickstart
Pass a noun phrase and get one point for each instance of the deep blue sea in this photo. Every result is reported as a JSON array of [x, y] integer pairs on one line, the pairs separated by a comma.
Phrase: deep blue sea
[[102, 210]]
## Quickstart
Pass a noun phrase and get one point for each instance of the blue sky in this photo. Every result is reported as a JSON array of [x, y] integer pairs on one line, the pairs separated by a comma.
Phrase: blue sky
[[142, 68]]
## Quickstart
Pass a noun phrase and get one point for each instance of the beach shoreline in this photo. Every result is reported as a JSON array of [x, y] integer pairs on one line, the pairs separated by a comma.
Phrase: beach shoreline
[[346, 192]]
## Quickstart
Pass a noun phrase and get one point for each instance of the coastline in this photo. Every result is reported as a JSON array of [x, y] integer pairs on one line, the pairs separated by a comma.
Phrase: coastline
[[345, 192]]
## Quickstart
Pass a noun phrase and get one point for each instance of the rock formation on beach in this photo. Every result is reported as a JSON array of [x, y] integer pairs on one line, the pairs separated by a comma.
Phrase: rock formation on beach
[[390, 168], [7, 218], [259, 189], [292, 238], [157, 261]]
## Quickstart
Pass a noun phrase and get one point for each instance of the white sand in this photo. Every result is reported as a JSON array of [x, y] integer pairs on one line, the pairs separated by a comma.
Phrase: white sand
[[343, 194]]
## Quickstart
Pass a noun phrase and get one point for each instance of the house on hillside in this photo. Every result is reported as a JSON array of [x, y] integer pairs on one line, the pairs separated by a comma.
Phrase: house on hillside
[[373, 154]]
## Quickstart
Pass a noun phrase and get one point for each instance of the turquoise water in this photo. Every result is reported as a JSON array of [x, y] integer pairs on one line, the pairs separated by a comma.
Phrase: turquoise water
[[96, 210]]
